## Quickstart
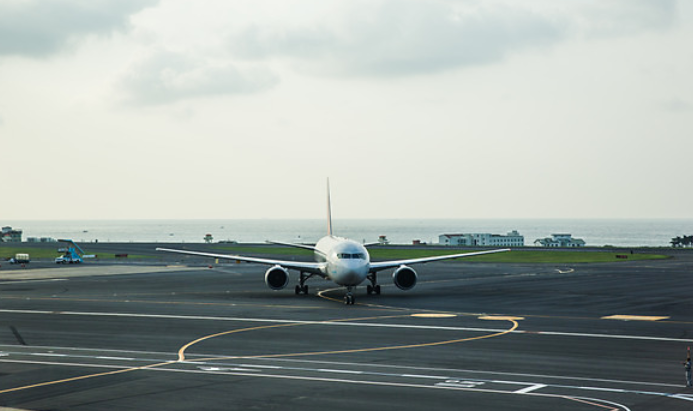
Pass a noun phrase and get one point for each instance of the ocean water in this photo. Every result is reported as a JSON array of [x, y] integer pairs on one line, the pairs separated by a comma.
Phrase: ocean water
[[595, 232]]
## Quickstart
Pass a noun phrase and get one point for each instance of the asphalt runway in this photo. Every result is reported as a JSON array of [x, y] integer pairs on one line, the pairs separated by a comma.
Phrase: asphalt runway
[[469, 336]]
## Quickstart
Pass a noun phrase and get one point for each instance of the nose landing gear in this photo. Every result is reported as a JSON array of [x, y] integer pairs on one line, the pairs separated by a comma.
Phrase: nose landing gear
[[349, 298]]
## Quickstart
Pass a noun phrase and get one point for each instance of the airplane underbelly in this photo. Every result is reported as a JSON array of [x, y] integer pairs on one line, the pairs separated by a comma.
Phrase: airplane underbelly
[[348, 278]]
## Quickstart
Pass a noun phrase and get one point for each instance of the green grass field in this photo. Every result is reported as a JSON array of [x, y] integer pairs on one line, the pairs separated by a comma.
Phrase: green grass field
[[515, 256], [521, 256], [8, 252], [49, 254], [384, 253]]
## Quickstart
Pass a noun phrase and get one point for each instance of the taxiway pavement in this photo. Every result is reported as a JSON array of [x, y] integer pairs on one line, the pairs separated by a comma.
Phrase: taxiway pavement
[[468, 336]]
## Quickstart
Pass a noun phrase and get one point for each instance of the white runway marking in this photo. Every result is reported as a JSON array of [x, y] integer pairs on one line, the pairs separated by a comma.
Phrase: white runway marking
[[432, 377], [687, 397], [43, 354], [297, 372], [11, 282], [339, 371], [530, 389], [345, 324], [116, 358]]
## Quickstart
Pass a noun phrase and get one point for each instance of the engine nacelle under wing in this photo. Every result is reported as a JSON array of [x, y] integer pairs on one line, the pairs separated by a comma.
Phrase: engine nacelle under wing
[[277, 277], [404, 278]]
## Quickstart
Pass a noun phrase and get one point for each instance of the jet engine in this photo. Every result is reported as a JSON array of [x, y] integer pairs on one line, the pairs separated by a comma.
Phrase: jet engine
[[277, 277], [404, 278]]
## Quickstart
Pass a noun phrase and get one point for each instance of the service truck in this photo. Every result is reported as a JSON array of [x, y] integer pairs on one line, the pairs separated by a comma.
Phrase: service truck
[[20, 259], [73, 254]]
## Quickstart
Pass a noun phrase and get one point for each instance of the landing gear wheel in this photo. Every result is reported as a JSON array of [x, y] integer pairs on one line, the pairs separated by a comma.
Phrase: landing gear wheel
[[349, 299], [304, 289], [301, 289], [374, 287], [298, 289]]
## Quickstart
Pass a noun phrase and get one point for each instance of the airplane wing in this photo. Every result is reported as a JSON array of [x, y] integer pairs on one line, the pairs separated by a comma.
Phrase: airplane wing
[[372, 244], [308, 267], [304, 246], [383, 265]]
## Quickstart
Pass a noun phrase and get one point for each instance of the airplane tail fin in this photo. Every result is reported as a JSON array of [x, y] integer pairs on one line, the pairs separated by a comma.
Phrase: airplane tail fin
[[329, 210]]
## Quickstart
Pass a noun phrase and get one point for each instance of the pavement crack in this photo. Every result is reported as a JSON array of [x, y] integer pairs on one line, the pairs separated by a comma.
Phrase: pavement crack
[[17, 335]]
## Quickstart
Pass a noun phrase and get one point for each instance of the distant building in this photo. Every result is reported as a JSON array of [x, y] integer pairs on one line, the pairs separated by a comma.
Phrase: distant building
[[559, 240], [10, 236], [513, 239]]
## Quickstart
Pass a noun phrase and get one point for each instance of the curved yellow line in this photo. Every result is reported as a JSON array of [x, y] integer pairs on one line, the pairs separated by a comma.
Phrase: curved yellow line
[[395, 347], [609, 408], [181, 352], [321, 294]]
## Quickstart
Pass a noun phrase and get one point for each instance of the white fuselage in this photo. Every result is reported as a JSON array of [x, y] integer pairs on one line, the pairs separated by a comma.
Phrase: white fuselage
[[346, 262]]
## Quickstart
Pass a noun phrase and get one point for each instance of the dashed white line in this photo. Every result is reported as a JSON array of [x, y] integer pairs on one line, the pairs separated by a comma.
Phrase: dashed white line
[[340, 371], [270, 367], [225, 369], [45, 354], [431, 377]]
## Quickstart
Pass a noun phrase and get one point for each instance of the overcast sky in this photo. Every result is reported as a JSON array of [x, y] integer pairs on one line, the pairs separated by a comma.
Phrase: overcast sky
[[119, 109]]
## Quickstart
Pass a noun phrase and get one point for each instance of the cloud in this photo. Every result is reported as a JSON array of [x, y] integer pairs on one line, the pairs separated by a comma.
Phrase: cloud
[[164, 76], [676, 105], [37, 28], [408, 37], [623, 17], [238, 48], [402, 38]]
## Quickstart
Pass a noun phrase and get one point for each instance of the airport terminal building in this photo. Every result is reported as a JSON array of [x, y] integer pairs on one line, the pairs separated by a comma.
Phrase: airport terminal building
[[559, 240], [512, 239], [9, 235]]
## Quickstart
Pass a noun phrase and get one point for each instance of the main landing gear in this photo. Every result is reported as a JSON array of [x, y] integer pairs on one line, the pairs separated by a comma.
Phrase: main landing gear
[[302, 288], [374, 287]]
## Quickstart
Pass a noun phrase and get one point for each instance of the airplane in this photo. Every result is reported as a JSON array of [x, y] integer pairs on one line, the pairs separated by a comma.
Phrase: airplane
[[346, 262]]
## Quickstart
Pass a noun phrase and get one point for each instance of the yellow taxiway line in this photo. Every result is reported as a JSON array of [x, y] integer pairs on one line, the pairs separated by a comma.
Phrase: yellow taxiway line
[[181, 352]]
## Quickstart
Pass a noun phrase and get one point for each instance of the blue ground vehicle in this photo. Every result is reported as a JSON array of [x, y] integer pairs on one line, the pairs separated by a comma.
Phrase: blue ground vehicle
[[73, 254]]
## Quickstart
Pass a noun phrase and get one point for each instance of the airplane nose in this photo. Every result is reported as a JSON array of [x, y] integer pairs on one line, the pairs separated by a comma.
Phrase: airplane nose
[[352, 273]]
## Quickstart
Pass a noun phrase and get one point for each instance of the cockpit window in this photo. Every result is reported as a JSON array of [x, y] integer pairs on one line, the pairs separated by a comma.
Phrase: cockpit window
[[359, 256]]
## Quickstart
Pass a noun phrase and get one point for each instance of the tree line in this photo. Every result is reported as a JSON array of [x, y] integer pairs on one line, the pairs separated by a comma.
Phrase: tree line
[[685, 241]]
